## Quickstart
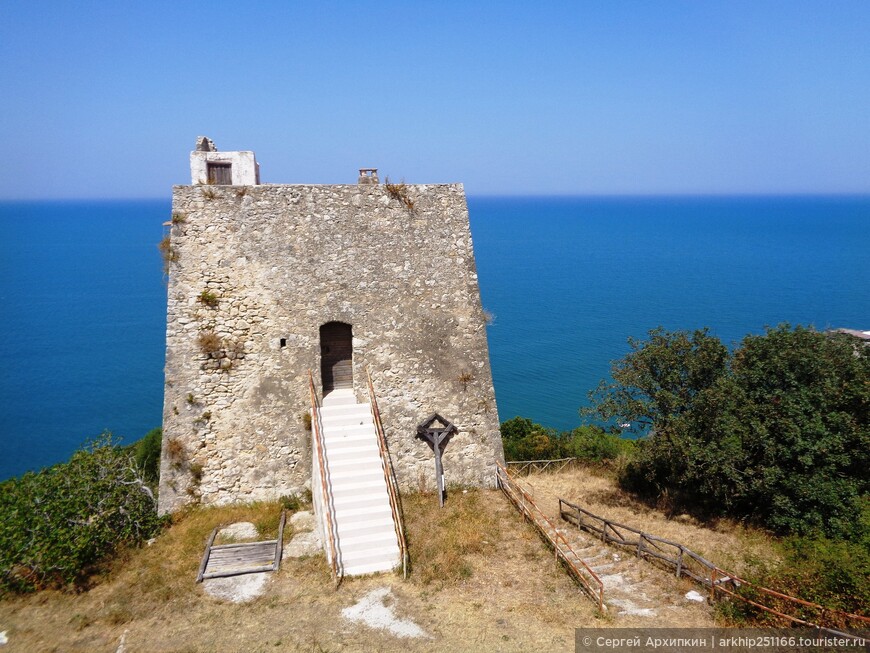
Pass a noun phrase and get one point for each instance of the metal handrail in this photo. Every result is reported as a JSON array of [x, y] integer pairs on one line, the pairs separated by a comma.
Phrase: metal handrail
[[389, 476], [561, 547], [329, 509]]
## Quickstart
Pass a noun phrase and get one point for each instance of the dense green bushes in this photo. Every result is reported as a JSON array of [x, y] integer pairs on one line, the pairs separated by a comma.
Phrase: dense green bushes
[[832, 572], [525, 440], [777, 433], [57, 523]]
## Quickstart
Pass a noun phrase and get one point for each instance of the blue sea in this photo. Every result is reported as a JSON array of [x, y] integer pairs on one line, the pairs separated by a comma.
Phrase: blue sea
[[568, 280]]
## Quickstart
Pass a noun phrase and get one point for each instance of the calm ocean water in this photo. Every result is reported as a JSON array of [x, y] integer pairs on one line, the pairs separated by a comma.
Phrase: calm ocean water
[[568, 280]]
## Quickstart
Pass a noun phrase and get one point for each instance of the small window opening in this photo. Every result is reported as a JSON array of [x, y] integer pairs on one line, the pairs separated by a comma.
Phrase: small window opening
[[283, 342], [220, 174]]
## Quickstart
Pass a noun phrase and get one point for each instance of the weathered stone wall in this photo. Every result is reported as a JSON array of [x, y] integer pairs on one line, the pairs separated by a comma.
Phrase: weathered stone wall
[[277, 262]]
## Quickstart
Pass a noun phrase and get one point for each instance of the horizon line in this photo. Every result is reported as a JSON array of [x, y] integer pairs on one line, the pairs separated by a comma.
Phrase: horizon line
[[627, 195]]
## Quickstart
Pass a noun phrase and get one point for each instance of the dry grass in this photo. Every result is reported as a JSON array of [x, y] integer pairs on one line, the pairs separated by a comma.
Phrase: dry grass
[[209, 342], [167, 253], [513, 597], [441, 540], [481, 580], [399, 192], [724, 542], [175, 451]]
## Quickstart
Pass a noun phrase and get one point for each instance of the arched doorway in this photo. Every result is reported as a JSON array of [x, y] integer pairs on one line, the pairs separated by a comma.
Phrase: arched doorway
[[336, 356]]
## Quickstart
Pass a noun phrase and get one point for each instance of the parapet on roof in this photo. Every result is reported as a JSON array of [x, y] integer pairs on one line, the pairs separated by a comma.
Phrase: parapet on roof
[[209, 166]]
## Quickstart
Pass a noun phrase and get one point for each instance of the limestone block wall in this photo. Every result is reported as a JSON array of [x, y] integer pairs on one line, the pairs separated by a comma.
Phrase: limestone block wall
[[255, 271]]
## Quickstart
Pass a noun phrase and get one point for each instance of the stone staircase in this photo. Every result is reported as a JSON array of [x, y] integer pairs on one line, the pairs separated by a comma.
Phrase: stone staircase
[[366, 534], [623, 589], [635, 591]]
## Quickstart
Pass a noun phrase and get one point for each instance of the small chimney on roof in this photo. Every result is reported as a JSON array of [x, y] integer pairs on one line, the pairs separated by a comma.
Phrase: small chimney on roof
[[368, 176]]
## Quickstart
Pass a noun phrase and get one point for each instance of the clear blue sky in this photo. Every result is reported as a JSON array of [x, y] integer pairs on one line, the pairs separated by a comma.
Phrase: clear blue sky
[[105, 99]]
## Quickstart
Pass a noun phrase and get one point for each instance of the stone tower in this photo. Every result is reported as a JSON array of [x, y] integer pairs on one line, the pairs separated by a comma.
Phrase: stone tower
[[270, 281]]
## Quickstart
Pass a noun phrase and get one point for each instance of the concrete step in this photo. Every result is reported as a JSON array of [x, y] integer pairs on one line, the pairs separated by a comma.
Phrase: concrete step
[[353, 545], [372, 552], [378, 525], [361, 569], [352, 475], [361, 462], [346, 409], [357, 410], [351, 451], [350, 489], [339, 397], [357, 433], [343, 421], [370, 498], [375, 511]]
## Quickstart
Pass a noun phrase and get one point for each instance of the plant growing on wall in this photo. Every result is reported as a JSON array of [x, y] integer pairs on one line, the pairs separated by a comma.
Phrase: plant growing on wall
[[399, 192], [221, 354], [167, 253], [175, 452], [203, 419], [207, 298], [209, 343]]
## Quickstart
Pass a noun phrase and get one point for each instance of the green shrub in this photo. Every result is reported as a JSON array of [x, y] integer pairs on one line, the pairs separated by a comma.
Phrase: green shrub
[[55, 525], [525, 440], [833, 573], [594, 444], [776, 433], [146, 454]]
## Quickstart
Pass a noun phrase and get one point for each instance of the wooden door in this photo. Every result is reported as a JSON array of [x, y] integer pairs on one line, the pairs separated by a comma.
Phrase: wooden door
[[220, 174], [336, 356]]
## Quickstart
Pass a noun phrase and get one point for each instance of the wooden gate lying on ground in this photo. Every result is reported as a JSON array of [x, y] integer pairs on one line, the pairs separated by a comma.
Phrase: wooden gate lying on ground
[[222, 560]]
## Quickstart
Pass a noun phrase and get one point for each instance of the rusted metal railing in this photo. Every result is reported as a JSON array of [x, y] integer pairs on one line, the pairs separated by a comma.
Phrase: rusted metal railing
[[588, 579], [519, 467], [389, 476], [686, 562], [325, 486]]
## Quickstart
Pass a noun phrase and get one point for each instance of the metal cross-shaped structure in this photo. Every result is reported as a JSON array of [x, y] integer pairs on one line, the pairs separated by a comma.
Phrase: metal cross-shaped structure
[[437, 431]]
